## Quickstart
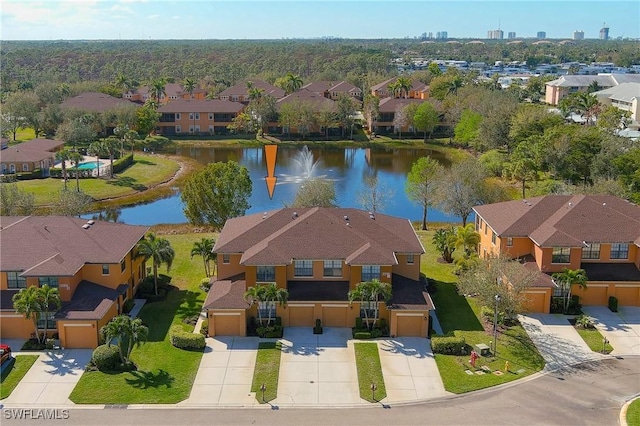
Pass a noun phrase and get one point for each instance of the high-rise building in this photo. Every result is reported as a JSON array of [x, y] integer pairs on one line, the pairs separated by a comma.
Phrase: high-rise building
[[512, 34], [541, 35], [604, 32], [495, 34], [578, 35], [442, 35], [430, 35]]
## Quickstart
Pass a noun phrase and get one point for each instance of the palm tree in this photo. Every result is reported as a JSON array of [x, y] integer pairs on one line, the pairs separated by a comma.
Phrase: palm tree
[[50, 297], [394, 89], [255, 294], [293, 82], [159, 250], [454, 84], [127, 332], [204, 248], [29, 303], [272, 294], [360, 293], [445, 242], [467, 238], [404, 84], [378, 290], [63, 157], [75, 157], [567, 278], [158, 89], [122, 81], [96, 148], [110, 145], [189, 85]]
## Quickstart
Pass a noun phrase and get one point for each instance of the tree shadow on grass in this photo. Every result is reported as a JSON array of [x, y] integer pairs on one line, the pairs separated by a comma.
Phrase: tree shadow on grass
[[128, 182], [158, 316], [145, 162], [148, 379], [453, 310], [190, 304]]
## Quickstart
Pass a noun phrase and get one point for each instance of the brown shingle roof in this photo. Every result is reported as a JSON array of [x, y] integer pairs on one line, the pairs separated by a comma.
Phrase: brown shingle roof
[[318, 233], [409, 294], [392, 104], [41, 144], [330, 86], [240, 89], [59, 246], [227, 294], [416, 85], [95, 102], [18, 154], [565, 220], [318, 101], [89, 302], [201, 106]]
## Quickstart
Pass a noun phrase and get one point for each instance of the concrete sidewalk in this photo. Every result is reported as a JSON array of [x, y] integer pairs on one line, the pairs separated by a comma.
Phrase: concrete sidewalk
[[621, 328], [51, 379], [558, 342]]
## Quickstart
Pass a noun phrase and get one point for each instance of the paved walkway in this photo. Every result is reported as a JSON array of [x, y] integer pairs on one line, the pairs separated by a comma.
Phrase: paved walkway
[[51, 379], [558, 342], [409, 369], [621, 328]]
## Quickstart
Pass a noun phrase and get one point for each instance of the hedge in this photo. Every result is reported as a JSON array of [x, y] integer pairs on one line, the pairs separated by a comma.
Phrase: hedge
[[105, 357], [613, 304], [204, 329], [122, 163], [184, 340], [448, 345]]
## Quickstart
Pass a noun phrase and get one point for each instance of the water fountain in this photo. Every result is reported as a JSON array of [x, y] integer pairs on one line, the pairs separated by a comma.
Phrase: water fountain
[[304, 167]]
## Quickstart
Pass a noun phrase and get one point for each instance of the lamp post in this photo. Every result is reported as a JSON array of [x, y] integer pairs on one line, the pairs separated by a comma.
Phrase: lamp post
[[263, 387], [374, 387], [495, 325]]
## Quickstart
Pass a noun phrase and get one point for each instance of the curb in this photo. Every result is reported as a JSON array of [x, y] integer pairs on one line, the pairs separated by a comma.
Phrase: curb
[[623, 410]]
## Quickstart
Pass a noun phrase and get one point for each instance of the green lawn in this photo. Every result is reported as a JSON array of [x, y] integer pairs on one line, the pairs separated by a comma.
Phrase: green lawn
[[460, 316], [369, 371], [148, 170], [165, 374], [633, 413], [266, 371], [12, 375], [594, 339]]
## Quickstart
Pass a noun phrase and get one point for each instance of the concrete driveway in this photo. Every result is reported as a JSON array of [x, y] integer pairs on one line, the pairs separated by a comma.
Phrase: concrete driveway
[[557, 341], [51, 379], [318, 369], [621, 328]]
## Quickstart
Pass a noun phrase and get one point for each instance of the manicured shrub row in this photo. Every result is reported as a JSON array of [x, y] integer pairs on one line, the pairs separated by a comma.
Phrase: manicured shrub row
[[122, 163], [270, 331], [185, 340], [448, 345], [106, 358], [204, 329]]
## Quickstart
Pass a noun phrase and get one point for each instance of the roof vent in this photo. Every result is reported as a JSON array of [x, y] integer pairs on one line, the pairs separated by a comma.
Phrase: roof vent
[[346, 217], [604, 204], [86, 226], [371, 216], [348, 224], [264, 215], [294, 215], [91, 222], [570, 204]]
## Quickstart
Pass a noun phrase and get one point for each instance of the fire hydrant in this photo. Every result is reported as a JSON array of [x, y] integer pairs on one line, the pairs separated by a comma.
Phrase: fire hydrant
[[506, 366]]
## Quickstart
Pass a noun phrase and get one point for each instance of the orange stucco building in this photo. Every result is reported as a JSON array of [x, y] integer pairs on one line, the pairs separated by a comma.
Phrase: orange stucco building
[[600, 234], [318, 255], [91, 263]]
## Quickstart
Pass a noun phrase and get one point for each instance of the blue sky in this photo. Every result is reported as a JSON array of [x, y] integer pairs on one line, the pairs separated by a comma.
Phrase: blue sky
[[262, 19]]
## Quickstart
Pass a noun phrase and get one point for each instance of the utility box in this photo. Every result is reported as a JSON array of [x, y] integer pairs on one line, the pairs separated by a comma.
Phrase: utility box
[[483, 349]]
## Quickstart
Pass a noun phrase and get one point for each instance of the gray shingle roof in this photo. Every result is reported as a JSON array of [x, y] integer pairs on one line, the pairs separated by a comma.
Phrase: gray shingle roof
[[89, 302], [95, 102], [201, 106], [227, 294], [240, 89]]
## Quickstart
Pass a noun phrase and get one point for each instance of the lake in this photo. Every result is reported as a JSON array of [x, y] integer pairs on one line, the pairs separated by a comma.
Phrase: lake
[[346, 167]]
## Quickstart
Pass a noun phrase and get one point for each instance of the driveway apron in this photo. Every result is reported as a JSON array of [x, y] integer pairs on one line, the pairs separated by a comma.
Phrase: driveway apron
[[557, 341], [621, 328]]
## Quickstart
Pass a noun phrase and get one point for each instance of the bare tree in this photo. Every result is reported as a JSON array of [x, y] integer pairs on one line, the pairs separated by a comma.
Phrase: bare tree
[[374, 196]]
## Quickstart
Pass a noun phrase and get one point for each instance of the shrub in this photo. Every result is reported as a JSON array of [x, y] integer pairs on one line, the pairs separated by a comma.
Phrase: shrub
[[584, 321], [358, 322], [269, 331], [318, 328], [33, 345], [184, 340], [204, 329], [362, 335], [557, 306], [205, 284], [613, 304], [192, 320], [106, 358], [122, 163], [128, 305], [375, 333], [448, 345]]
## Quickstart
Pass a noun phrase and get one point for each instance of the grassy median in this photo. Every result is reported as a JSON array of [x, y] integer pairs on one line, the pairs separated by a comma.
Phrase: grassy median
[[266, 371], [369, 371], [594, 340], [12, 375]]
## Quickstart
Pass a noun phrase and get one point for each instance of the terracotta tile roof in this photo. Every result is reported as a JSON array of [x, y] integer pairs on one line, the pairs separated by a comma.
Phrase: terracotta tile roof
[[304, 95], [565, 220], [240, 89], [286, 234], [227, 294], [392, 104], [60, 246], [89, 302], [409, 294], [95, 102], [201, 106], [318, 290]]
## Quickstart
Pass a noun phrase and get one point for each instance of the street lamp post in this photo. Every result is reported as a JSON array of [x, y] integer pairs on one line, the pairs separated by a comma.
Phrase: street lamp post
[[495, 325], [263, 388]]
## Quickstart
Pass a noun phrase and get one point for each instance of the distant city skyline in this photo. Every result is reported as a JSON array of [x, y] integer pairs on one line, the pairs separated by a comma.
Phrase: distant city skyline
[[263, 19]]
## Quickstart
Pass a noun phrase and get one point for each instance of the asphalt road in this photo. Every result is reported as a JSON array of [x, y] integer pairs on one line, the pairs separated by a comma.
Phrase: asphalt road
[[589, 394]]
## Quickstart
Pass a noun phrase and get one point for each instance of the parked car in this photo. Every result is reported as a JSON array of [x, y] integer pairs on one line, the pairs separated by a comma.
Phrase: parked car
[[5, 353]]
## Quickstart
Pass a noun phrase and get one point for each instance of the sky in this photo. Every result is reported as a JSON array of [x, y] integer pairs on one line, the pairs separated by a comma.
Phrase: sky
[[264, 19]]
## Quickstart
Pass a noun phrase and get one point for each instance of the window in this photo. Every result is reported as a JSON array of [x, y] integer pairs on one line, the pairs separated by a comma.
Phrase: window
[[591, 251], [267, 309], [25, 167], [410, 259], [123, 265], [368, 307], [303, 268], [47, 319], [370, 272], [190, 116], [178, 129], [266, 273], [493, 238], [50, 281], [560, 255], [210, 116], [332, 268], [12, 168], [509, 241], [14, 280], [177, 116], [197, 116], [225, 258], [485, 228], [619, 251], [105, 269]]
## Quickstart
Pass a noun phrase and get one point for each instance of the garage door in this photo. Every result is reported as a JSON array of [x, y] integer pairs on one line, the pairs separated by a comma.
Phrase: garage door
[[409, 326], [535, 302], [627, 296], [594, 296], [301, 316], [226, 325], [334, 316], [79, 336]]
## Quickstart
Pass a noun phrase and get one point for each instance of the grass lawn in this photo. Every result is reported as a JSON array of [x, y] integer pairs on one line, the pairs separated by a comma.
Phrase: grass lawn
[[460, 316], [165, 374], [24, 134], [266, 371], [633, 413], [12, 375], [369, 371], [147, 171], [594, 339]]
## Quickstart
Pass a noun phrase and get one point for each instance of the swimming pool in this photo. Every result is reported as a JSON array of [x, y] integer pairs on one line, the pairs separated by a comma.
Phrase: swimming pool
[[87, 166]]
